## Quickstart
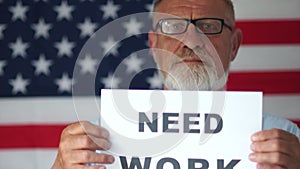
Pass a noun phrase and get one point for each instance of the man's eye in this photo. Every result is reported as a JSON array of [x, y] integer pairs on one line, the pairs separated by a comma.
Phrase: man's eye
[[176, 27], [208, 26]]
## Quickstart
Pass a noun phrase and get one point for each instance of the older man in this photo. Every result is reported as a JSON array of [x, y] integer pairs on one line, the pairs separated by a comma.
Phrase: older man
[[193, 47]]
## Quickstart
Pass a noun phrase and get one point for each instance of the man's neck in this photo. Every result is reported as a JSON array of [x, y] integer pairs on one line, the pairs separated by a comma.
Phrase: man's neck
[[222, 89]]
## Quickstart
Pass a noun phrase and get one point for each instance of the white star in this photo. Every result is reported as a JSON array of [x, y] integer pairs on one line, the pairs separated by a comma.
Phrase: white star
[[111, 82], [64, 47], [133, 63], [110, 10], [41, 29], [2, 64], [19, 48], [2, 28], [155, 81], [88, 65], [87, 28], [64, 83], [19, 84], [133, 27], [18, 11], [149, 7], [41, 65], [64, 11], [110, 46]]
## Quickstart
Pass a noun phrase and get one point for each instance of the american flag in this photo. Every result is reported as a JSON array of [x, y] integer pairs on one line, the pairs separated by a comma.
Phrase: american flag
[[41, 40]]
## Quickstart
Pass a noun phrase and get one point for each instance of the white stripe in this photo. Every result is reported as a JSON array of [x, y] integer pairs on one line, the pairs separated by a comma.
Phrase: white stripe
[[267, 58], [287, 106], [31, 159], [266, 9], [61, 110], [47, 110]]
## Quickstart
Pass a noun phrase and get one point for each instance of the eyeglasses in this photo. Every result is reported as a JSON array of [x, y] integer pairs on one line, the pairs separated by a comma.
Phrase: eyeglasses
[[208, 26]]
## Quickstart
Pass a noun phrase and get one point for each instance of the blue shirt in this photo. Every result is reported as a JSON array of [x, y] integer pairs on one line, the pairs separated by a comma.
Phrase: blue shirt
[[272, 121]]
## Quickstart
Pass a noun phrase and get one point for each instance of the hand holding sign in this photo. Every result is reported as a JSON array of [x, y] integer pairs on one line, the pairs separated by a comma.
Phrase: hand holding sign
[[275, 149], [78, 144]]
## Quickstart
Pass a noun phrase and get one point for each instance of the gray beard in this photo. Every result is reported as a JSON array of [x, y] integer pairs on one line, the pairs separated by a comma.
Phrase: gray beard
[[197, 77]]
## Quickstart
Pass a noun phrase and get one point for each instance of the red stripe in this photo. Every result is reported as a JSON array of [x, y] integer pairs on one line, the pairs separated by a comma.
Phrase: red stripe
[[268, 82], [30, 136], [35, 136], [297, 122], [270, 32]]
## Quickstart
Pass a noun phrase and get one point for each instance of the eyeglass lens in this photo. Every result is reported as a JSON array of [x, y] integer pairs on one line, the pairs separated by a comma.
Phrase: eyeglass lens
[[177, 26]]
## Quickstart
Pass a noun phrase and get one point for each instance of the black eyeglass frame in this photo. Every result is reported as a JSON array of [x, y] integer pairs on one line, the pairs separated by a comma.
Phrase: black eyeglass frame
[[193, 21]]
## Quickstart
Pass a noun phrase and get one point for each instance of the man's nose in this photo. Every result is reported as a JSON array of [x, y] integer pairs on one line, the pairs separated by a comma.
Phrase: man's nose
[[192, 38]]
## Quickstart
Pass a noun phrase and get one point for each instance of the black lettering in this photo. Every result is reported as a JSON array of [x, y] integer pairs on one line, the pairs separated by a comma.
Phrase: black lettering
[[231, 164], [166, 122], [161, 163], [208, 128], [135, 162], [187, 123], [144, 119], [192, 162]]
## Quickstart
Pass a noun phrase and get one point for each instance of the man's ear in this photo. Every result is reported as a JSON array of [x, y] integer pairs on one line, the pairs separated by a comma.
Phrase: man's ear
[[236, 41], [152, 40]]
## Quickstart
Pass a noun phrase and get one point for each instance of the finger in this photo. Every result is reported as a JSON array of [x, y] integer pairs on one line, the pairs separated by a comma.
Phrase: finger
[[275, 145], [86, 156], [83, 166], [273, 134], [273, 158], [85, 142], [85, 127], [268, 166], [88, 167]]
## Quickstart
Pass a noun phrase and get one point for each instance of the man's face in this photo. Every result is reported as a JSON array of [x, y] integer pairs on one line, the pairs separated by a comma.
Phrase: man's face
[[193, 57]]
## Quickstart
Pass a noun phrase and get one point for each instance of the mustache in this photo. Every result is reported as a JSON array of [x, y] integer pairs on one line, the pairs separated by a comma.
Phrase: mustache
[[197, 52]]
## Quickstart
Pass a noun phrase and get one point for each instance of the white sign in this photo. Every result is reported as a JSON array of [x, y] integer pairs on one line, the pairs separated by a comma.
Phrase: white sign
[[160, 129]]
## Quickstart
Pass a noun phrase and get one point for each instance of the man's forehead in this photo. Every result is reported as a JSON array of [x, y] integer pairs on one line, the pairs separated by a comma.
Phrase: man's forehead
[[167, 4], [194, 9], [189, 7], [155, 2]]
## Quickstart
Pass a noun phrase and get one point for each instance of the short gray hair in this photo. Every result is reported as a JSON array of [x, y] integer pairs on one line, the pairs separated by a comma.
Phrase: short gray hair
[[228, 2]]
